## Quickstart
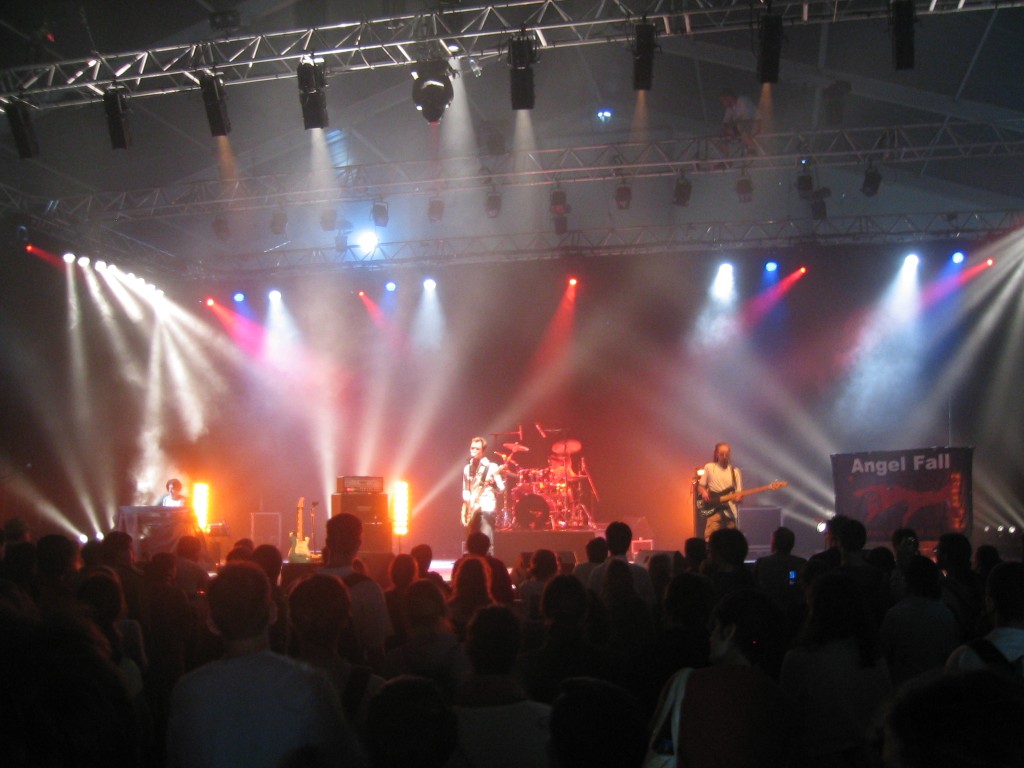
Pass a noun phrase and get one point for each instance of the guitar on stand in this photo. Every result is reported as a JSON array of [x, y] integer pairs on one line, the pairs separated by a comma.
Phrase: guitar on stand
[[719, 500], [298, 551]]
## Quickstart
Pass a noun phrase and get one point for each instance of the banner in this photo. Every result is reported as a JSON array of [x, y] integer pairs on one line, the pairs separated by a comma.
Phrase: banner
[[927, 489]]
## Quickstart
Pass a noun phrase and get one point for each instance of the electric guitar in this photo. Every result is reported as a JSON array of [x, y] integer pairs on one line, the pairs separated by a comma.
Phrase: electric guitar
[[298, 552], [471, 507], [720, 499]]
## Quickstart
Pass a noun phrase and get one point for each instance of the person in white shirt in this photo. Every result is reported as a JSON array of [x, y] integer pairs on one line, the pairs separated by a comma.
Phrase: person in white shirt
[[720, 477], [481, 477], [174, 497], [1003, 647]]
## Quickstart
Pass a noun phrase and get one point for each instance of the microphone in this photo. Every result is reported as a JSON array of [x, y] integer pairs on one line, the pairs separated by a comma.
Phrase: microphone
[[541, 430]]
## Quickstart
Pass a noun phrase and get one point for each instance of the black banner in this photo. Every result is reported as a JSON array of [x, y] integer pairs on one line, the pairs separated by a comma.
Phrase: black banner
[[927, 489]]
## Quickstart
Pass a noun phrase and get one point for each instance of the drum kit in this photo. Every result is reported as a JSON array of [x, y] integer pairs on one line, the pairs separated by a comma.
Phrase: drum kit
[[558, 496]]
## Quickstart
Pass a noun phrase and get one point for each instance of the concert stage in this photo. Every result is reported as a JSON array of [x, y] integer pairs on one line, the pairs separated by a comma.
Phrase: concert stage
[[508, 545]]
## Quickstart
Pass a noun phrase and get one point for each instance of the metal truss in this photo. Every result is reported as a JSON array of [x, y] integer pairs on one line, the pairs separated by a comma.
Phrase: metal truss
[[455, 32], [695, 237], [614, 163]]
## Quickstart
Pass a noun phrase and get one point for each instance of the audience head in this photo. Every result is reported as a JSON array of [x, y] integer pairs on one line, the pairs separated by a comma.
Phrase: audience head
[[852, 536], [492, 640], [344, 537], [269, 559], [783, 541], [660, 568], [595, 724], [319, 608], [832, 528], [101, 591], [1004, 594], [597, 550], [906, 539], [564, 600], [970, 719], [161, 568], [117, 549], [747, 627], [424, 609], [92, 553], [954, 554], [881, 558], [839, 611], [423, 555], [409, 723], [619, 536], [478, 543], [472, 580], [689, 600], [56, 556], [543, 564], [245, 543], [696, 552], [922, 578], [727, 546], [402, 571], [189, 548], [238, 555], [16, 531], [986, 557], [240, 604]]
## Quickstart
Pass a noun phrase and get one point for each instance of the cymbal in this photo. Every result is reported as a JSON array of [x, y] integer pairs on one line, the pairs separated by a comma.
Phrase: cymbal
[[566, 446], [514, 447]]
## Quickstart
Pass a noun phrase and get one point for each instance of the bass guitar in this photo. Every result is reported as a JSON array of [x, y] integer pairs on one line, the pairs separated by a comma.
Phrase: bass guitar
[[719, 500], [298, 550]]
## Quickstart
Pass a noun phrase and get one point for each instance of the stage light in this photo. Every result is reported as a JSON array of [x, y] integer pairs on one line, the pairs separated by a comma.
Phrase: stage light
[[623, 196], [379, 213], [958, 257], [390, 286], [329, 219], [400, 508], [361, 294], [239, 297], [274, 295], [682, 191], [901, 26], [573, 281], [803, 270], [805, 185], [118, 111], [435, 209], [771, 266], [101, 266], [723, 286], [312, 78], [429, 284], [432, 90], [210, 302], [769, 48], [83, 539], [341, 242], [872, 181], [69, 258], [990, 262], [821, 527], [744, 189], [604, 115], [83, 261], [645, 43], [279, 221], [522, 55], [911, 260], [19, 118], [201, 504], [212, 87], [367, 240], [559, 203], [493, 204]]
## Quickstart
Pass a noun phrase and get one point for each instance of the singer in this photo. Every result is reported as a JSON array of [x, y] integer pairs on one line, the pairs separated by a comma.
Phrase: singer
[[481, 477]]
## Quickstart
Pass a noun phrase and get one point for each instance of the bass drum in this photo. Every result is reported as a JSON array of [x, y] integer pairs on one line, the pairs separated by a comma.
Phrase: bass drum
[[534, 512]]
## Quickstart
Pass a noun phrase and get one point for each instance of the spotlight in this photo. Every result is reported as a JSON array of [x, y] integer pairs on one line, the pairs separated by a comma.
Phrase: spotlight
[[573, 281], [645, 42], [118, 110], [367, 240], [493, 204], [227, 22], [101, 266], [821, 527], [901, 26], [429, 284], [522, 55], [803, 270], [911, 260], [361, 294], [559, 205], [390, 286], [83, 539], [312, 77], [604, 115], [221, 228], [432, 90], [210, 302], [744, 189], [435, 209], [872, 181], [958, 257], [212, 87], [69, 258], [682, 191], [990, 262], [274, 295], [379, 213], [19, 117], [239, 297], [83, 261], [623, 196], [279, 221], [769, 48], [328, 219], [771, 266]]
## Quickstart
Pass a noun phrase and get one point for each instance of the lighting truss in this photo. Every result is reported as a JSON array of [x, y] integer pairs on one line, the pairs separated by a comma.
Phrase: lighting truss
[[452, 32]]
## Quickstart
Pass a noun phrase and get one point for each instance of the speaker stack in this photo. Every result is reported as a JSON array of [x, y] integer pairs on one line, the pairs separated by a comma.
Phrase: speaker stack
[[364, 498]]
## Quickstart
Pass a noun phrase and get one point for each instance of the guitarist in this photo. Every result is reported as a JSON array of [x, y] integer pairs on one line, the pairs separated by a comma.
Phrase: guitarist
[[480, 478], [720, 477]]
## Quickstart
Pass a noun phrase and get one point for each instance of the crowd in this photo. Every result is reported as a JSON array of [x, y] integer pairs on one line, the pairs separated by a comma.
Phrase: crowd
[[852, 658]]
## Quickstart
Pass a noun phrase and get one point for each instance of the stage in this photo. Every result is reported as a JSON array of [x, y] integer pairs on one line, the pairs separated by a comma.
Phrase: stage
[[510, 544]]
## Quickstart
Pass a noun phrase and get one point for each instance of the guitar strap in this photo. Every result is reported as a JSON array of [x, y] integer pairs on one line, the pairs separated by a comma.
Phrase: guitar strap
[[730, 515]]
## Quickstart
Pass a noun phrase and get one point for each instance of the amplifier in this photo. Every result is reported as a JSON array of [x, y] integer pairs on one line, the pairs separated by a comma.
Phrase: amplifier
[[360, 484], [368, 507]]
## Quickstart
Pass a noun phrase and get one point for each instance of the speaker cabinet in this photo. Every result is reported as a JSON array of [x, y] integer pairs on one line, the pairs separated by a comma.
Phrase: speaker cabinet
[[368, 507]]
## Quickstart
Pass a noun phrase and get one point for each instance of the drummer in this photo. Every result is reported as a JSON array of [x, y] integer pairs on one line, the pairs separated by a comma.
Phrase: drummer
[[560, 467]]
